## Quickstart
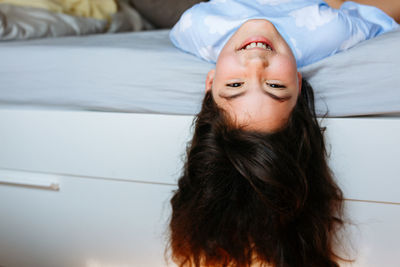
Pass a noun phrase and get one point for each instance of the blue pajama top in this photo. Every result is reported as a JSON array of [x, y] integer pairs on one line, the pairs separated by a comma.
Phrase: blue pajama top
[[312, 29]]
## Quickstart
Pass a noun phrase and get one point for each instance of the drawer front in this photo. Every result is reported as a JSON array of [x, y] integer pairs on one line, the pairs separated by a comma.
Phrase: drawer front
[[86, 222], [98, 222], [364, 153]]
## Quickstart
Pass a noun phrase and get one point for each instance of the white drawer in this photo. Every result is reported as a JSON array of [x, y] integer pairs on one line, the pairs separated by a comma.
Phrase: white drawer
[[95, 222], [88, 222], [96, 144], [141, 147]]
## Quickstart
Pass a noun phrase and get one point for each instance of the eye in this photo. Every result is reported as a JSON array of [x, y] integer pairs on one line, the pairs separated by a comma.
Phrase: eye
[[234, 84], [274, 85]]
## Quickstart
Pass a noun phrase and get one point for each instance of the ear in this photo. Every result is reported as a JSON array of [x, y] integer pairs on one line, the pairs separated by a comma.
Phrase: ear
[[299, 77], [210, 79]]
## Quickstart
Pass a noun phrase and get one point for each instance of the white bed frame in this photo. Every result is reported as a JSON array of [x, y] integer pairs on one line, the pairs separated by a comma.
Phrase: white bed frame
[[81, 188]]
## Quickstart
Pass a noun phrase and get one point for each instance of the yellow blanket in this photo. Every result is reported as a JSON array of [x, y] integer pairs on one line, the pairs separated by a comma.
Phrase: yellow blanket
[[99, 9]]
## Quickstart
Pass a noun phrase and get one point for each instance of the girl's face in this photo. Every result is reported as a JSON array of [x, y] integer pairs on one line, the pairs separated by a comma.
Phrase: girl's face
[[256, 79]]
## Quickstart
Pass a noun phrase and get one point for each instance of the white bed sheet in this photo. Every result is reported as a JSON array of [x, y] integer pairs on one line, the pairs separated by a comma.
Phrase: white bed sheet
[[143, 72], [134, 72]]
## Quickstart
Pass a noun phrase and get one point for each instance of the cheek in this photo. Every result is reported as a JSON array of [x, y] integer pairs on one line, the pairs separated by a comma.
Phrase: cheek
[[227, 67], [285, 68], [226, 61]]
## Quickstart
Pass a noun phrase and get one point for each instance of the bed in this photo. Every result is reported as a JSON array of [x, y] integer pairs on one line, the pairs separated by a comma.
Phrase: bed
[[94, 128]]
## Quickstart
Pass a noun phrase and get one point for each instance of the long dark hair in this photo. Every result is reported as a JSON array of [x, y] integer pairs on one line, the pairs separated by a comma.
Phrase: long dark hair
[[247, 197]]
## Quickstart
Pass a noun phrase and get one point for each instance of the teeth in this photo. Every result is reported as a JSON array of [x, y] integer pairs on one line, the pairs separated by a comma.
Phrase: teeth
[[259, 45]]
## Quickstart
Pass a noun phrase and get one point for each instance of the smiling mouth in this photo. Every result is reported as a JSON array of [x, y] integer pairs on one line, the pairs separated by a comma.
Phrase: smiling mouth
[[257, 45], [257, 42]]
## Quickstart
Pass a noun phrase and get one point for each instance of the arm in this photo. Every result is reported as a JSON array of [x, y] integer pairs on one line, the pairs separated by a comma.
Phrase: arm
[[390, 7]]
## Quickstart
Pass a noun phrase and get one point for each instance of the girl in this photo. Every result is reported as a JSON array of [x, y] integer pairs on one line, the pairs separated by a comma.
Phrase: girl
[[289, 33], [256, 189]]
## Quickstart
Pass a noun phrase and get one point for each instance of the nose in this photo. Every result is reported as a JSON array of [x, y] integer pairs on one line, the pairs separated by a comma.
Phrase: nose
[[256, 64]]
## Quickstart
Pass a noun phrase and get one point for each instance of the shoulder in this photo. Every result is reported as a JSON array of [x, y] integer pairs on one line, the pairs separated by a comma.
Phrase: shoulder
[[369, 19], [203, 29]]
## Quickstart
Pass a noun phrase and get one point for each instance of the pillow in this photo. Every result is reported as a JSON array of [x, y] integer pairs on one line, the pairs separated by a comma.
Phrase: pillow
[[99, 9], [163, 13], [21, 23]]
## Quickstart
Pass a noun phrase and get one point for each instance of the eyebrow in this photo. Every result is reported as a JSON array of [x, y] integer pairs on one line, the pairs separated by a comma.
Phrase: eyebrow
[[275, 97]]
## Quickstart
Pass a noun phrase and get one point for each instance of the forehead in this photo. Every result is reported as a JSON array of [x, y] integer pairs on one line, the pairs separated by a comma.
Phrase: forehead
[[257, 113]]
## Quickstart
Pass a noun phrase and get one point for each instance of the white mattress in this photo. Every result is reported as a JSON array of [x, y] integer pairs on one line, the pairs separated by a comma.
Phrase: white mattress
[[143, 72], [134, 72]]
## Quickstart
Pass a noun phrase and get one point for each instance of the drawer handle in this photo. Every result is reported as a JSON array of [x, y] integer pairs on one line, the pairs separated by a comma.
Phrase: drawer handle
[[18, 181]]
